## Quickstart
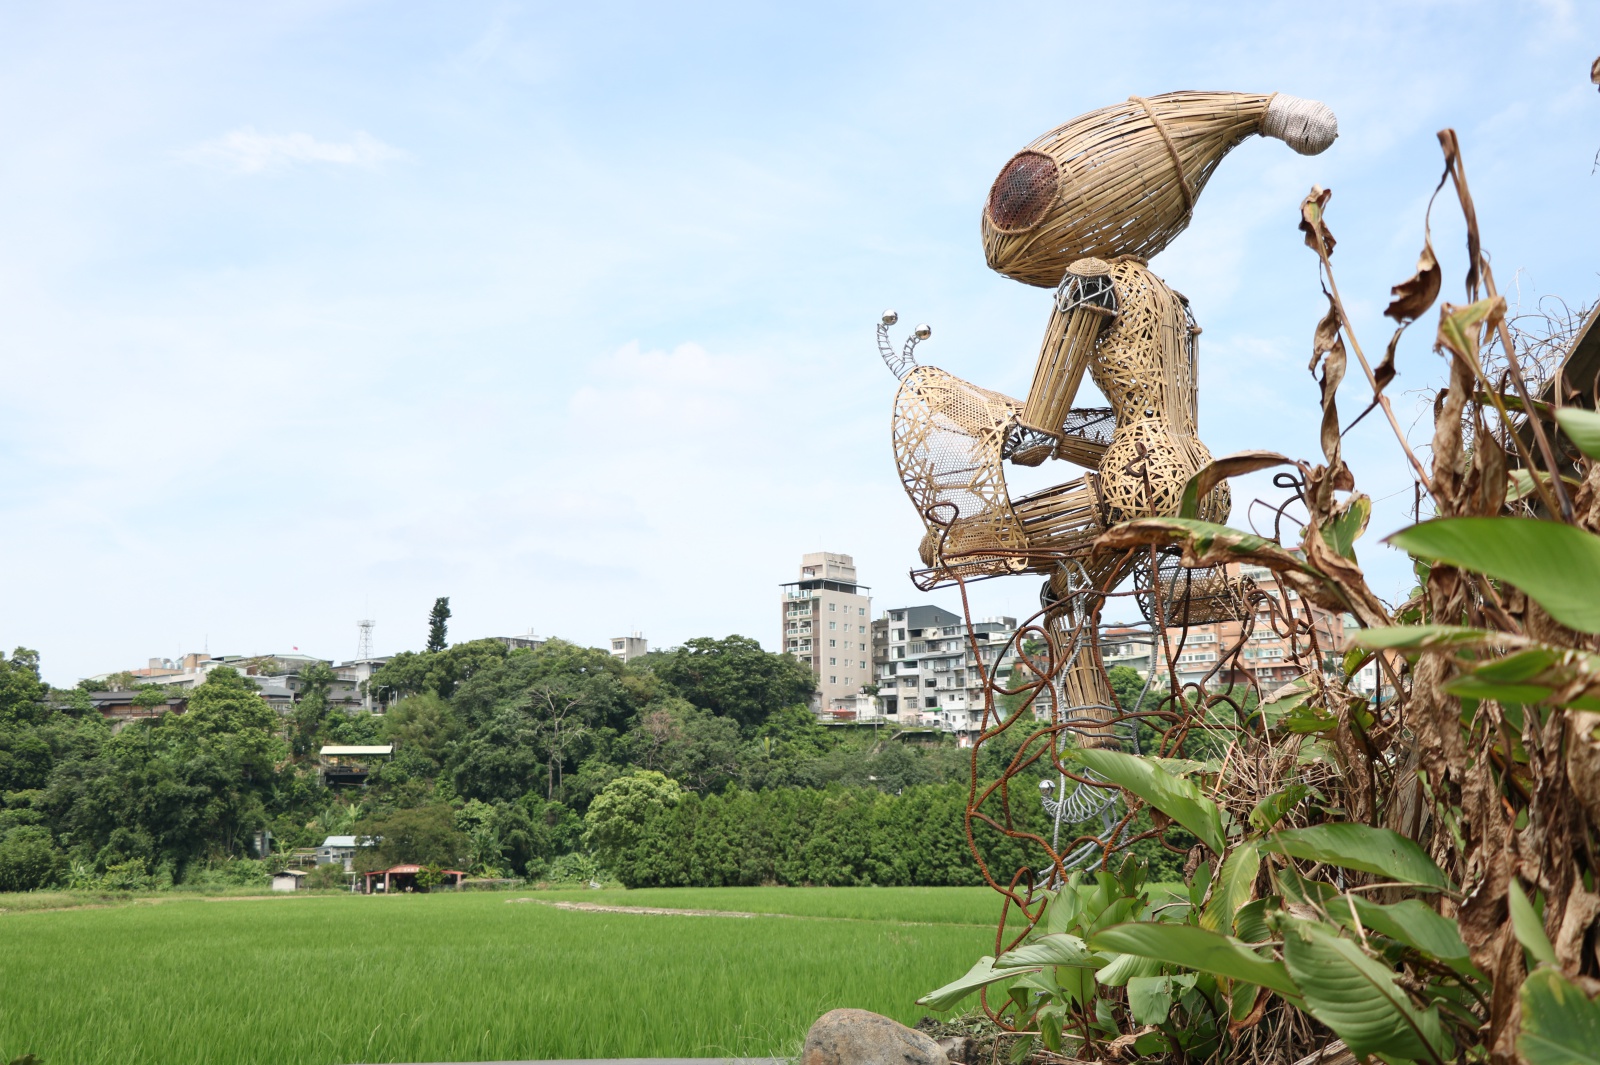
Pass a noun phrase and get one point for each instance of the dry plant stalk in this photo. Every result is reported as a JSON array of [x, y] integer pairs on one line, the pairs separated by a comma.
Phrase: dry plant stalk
[[1496, 793]]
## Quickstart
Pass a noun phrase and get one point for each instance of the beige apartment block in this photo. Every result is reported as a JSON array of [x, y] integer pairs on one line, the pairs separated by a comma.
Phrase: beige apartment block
[[827, 624], [628, 648]]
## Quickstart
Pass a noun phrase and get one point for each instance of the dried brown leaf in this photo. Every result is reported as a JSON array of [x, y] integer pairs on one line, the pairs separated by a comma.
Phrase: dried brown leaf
[[1411, 298], [1594, 72], [1312, 224], [1327, 347]]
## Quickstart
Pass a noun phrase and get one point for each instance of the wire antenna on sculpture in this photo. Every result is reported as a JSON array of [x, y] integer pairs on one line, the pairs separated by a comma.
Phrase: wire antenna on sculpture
[[906, 361]]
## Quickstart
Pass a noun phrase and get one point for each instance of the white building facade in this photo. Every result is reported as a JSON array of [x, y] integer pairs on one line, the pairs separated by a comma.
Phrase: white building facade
[[930, 671]]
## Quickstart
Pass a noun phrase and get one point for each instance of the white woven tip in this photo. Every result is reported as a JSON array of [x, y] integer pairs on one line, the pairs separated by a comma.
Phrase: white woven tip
[[1307, 126]]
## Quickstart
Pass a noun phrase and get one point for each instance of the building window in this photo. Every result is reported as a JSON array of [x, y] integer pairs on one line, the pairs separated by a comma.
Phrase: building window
[[833, 624], [833, 643], [930, 703], [833, 680], [899, 634], [862, 646], [833, 606], [862, 611], [931, 683], [861, 628], [833, 661]]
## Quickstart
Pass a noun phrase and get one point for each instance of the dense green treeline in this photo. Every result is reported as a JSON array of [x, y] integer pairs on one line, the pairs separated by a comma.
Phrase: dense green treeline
[[698, 766], [836, 837]]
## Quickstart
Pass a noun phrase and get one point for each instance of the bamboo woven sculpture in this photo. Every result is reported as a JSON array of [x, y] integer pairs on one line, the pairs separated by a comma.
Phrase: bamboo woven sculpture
[[1082, 208], [1124, 180]]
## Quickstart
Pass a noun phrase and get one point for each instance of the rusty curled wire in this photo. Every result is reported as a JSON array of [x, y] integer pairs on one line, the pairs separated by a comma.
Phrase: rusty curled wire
[[1174, 712]]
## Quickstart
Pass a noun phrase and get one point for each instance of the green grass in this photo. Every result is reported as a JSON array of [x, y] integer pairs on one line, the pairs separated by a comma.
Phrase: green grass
[[473, 976]]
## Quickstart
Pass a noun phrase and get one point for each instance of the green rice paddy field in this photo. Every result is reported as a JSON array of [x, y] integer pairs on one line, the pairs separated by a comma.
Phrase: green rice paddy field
[[472, 976]]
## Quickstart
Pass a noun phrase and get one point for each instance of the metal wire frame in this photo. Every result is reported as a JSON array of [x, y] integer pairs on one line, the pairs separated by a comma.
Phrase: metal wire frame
[[1046, 649]]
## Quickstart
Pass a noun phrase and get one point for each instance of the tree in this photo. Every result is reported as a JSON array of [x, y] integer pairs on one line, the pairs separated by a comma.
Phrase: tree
[[423, 726], [29, 860], [692, 746], [439, 672], [21, 691], [426, 835], [735, 678], [437, 618], [311, 708], [615, 823]]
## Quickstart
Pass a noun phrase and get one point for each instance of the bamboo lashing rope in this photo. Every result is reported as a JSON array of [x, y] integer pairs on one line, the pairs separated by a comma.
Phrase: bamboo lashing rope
[[1172, 150]]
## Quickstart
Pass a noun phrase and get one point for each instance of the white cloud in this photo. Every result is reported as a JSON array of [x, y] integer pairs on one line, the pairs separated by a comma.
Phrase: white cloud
[[248, 151]]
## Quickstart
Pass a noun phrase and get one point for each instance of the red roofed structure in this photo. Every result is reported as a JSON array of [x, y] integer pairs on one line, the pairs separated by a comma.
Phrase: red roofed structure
[[404, 878]]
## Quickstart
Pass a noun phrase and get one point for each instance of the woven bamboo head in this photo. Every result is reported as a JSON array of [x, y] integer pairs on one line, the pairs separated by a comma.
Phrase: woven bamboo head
[[1123, 180]]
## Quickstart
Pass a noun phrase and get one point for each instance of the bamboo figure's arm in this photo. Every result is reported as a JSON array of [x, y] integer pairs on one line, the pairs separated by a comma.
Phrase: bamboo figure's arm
[[1084, 304]]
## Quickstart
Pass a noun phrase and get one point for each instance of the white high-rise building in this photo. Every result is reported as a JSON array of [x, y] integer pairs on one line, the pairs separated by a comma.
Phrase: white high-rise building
[[827, 624]]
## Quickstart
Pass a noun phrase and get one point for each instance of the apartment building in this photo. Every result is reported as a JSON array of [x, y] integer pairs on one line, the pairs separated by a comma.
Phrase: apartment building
[[628, 648], [1265, 655], [928, 670], [826, 615], [1127, 645]]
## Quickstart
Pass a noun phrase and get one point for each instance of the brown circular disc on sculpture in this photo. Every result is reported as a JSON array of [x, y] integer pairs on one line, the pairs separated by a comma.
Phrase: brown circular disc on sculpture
[[1023, 192]]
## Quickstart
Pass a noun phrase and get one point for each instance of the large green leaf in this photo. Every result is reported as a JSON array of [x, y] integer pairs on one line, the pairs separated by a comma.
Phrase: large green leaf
[[1582, 428], [1174, 796], [980, 975], [1412, 923], [1235, 883], [1371, 850], [1150, 999], [1196, 948], [1528, 927], [1558, 565], [1560, 1026], [1058, 949], [1250, 923], [1422, 637], [1125, 967], [1358, 998]]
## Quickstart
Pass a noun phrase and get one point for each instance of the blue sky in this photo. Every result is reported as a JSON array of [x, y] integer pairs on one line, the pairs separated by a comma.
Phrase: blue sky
[[312, 312]]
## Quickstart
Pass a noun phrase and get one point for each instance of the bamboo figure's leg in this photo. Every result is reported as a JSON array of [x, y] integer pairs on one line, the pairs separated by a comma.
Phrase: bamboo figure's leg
[[1083, 696], [1085, 302]]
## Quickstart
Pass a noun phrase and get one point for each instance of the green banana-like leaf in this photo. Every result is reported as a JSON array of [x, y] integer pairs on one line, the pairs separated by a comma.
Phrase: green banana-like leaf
[[1235, 883], [1125, 967], [1412, 923], [1371, 850], [1150, 999], [1557, 565], [1560, 1026], [1528, 928], [1423, 638], [1058, 949], [1174, 796], [1196, 948], [1582, 428], [1359, 999], [1250, 923], [980, 975]]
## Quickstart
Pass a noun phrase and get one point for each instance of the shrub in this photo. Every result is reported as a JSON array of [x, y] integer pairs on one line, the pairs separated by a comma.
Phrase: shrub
[[29, 860]]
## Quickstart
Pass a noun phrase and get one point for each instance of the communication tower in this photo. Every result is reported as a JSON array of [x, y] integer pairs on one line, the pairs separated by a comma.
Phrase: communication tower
[[364, 648]]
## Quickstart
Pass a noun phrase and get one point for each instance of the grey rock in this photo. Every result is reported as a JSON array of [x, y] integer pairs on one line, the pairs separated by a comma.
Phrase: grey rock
[[960, 1049], [859, 1037]]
